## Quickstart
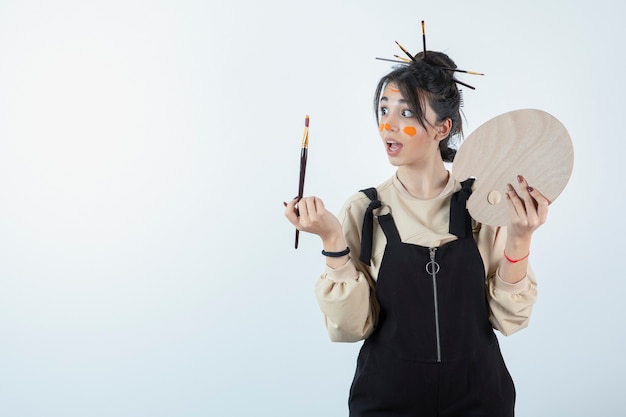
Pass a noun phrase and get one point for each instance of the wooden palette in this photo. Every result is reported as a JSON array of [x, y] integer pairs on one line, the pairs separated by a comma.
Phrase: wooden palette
[[528, 142]]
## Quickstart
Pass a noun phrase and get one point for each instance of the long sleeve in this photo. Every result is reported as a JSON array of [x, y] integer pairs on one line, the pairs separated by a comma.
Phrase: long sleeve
[[510, 304], [346, 295]]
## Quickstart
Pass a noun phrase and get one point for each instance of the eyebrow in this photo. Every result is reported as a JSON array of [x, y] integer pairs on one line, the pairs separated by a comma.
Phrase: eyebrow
[[401, 101]]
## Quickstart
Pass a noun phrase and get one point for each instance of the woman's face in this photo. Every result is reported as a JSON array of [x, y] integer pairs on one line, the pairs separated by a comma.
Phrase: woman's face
[[405, 139]]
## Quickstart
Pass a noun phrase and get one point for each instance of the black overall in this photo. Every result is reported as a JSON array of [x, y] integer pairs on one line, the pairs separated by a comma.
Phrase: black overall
[[434, 352]]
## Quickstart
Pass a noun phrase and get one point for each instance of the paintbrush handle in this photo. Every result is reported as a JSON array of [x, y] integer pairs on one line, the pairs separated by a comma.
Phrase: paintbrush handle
[[303, 157]]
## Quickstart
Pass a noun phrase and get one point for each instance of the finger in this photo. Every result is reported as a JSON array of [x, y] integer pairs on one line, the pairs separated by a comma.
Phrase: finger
[[530, 205], [290, 211], [314, 207], [542, 203], [516, 205], [317, 207], [303, 207], [319, 204], [523, 192], [292, 204], [537, 195], [536, 203]]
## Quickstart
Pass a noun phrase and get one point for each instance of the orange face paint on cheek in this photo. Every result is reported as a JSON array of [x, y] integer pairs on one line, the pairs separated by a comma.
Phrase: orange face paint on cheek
[[410, 130], [385, 126]]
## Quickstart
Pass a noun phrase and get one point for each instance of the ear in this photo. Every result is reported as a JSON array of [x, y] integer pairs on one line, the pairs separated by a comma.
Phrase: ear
[[443, 129]]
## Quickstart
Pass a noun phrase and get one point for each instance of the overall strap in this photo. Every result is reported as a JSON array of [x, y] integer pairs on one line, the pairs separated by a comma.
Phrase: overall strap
[[460, 220], [367, 231]]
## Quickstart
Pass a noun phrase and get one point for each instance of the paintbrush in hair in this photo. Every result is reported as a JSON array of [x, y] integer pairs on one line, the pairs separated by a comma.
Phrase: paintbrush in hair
[[424, 38]]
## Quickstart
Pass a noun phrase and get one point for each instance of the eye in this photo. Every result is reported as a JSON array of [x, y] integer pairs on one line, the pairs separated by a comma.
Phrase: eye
[[383, 111], [407, 113]]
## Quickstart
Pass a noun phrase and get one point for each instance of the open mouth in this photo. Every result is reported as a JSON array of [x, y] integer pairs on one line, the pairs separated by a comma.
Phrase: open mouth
[[393, 146]]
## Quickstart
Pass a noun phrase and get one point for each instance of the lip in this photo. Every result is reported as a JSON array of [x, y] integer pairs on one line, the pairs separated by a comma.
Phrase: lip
[[393, 147]]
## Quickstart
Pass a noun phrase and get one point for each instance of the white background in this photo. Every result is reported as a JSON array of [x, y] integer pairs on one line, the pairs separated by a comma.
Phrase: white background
[[146, 147]]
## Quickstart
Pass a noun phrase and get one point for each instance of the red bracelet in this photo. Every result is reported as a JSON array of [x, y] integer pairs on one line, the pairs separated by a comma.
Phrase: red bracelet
[[513, 261]]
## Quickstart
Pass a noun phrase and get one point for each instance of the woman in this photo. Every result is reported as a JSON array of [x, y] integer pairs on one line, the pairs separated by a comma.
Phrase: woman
[[410, 272]]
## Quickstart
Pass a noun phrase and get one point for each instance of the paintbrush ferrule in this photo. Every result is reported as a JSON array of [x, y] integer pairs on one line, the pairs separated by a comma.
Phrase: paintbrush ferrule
[[305, 136], [402, 58]]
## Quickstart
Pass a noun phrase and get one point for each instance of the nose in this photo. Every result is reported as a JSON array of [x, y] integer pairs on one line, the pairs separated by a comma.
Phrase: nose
[[390, 122], [390, 125]]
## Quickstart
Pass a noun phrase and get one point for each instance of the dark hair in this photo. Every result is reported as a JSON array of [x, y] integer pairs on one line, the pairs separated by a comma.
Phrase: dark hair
[[425, 80]]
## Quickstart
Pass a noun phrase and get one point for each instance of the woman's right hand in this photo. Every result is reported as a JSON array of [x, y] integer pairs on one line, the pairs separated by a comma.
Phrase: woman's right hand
[[314, 218]]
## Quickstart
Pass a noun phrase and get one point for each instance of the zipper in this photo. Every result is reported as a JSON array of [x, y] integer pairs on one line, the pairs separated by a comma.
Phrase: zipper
[[432, 268]]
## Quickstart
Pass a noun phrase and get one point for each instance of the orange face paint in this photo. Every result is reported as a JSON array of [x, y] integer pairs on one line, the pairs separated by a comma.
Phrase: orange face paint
[[385, 126], [410, 130]]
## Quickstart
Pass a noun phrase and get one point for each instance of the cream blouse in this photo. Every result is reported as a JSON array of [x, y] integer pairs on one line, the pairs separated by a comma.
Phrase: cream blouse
[[346, 295]]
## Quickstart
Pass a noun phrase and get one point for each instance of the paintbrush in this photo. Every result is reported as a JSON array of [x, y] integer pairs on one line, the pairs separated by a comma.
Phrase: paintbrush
[[424, 38], [463, 71], [303, 158], [399, 60]]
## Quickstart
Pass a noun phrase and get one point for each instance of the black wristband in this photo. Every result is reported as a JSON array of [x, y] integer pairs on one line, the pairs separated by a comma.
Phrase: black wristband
[[336, 254]]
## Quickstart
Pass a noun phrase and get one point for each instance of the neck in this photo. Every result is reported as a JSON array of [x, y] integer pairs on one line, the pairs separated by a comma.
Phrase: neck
[[424, 182]]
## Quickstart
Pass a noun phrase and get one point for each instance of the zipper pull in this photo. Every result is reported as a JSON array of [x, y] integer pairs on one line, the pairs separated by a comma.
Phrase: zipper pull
[[432, 267]]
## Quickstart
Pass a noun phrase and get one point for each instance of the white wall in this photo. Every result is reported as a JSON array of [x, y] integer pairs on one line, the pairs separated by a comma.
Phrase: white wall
[[146, 268]]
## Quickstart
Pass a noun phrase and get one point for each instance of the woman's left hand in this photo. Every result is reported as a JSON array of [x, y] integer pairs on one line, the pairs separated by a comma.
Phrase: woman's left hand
[[528, 209]]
